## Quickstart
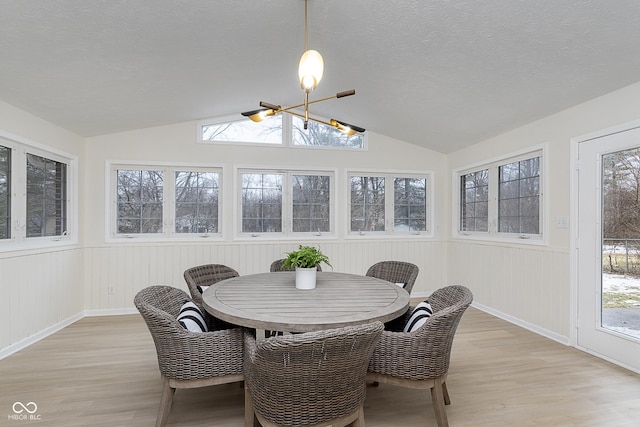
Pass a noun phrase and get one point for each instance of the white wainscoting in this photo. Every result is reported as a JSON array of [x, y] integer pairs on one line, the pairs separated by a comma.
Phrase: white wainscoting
[[126, 269], [39, 292], [529, 283]]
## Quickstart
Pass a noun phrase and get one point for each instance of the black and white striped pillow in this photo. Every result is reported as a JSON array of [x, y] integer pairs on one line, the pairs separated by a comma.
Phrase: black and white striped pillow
[[202, 288], [191, 318], [419, 316]]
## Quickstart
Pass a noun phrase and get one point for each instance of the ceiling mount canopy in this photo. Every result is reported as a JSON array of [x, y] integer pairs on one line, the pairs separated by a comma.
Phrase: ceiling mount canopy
[[310, 70]]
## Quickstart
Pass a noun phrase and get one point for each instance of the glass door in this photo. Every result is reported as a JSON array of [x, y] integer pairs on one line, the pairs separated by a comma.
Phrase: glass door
[[609, 247]]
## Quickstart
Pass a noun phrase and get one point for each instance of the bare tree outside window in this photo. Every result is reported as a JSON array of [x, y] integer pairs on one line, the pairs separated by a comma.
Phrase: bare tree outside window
[[268, 131], [621, 211], [46, 197], [261, 203], [367, 203], [519, 197], [319, 134], [197, 195], [474, 206], [410, 204], [5, 192], [139, 201], [311, 203]]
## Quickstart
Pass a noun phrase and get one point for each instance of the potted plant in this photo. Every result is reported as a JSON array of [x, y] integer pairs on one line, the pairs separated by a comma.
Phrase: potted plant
[[305, 260]]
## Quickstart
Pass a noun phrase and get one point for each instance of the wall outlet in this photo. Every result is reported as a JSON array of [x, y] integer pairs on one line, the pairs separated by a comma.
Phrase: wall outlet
[[112, 289]]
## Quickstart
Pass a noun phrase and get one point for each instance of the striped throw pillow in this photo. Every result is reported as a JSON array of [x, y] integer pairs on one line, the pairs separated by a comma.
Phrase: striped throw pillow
[[419, 316], [191, 318], [202, 288]]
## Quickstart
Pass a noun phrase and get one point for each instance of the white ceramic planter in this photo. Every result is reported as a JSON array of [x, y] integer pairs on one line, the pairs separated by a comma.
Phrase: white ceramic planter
[[306, 278]]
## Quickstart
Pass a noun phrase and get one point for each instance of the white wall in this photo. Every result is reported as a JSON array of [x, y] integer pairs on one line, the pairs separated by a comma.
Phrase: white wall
[[532, 284], [129, 267], [43, 289], [529, 285]]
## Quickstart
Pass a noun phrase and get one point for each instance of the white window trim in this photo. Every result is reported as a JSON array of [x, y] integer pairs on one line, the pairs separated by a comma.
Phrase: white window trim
[[238, 118], [168, 211], [287, 137], [492, 235], [285, 235], [19, 148], [389, 233], [290, 144]]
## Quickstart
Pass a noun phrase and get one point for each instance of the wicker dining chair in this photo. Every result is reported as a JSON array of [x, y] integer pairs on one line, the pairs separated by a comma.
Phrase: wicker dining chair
[[187, 359], [277, 266], [420, 359], [314, 378], [206, 275], [395, 272]]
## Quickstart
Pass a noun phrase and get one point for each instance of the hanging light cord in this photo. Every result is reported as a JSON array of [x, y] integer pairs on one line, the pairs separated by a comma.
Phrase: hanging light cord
[[306, 35]]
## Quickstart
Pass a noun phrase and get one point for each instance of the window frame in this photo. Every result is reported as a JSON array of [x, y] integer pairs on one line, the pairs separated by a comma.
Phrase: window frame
[[234, 119], [168, 202], [287, 232], [492, 233], [18, 240], [287, 135], [389, 231]]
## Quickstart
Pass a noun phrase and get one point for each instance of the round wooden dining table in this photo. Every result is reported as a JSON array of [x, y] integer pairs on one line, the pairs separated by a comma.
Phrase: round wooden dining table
[[270, 301]]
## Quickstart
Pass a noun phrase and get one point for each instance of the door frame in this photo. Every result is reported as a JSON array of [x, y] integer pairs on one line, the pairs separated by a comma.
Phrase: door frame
[[573, 231]]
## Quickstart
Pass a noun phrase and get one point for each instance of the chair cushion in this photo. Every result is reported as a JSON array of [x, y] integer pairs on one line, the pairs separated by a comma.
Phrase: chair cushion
[[191, 318], [419, 315], [202, 288]]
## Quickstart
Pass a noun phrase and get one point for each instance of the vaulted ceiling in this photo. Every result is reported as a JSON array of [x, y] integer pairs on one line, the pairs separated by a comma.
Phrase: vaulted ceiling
[[439, 74]]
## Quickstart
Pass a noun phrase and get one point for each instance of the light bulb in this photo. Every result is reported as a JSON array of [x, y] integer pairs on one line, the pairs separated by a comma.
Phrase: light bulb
[[310, 70]]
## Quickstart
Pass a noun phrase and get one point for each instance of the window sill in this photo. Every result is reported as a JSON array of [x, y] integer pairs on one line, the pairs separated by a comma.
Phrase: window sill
[[41, 244], [529, 240]]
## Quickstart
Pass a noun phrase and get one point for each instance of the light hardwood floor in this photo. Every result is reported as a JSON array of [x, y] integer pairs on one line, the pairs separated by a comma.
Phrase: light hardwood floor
[[102, 371]]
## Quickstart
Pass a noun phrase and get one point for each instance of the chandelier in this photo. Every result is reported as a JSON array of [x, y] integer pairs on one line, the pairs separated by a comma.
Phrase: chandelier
[[310, 71]]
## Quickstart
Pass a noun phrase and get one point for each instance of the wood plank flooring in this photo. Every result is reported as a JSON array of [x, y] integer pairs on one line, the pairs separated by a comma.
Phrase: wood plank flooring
[[102, 371]]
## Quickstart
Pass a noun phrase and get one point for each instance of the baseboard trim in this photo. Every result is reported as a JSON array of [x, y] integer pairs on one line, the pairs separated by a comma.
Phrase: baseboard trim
[[13, 348], [110, 312], [519, 322], [32, 339]]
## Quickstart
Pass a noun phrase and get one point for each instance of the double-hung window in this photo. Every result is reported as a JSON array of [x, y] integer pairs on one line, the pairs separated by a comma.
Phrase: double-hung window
[[46, 196], [5, 193], [502, 199], [165, 201], [286, 203], [389, 203], [35, 196]]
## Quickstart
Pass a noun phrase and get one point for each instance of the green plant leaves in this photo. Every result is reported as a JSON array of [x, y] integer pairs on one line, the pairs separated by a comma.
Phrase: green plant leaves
[[305, 257]]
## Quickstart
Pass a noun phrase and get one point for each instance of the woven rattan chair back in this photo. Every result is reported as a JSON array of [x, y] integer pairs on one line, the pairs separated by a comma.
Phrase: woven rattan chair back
[[395, 272], [187, 359], [315, 378], [420, 359], [277, 266], [206, 275]]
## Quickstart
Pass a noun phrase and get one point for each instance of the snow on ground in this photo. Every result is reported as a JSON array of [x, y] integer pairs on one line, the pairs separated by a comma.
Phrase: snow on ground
[[619, 284], [619, 320]]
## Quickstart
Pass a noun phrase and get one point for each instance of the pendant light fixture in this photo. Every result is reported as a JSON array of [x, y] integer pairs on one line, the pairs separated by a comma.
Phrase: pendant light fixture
[[310, 70]]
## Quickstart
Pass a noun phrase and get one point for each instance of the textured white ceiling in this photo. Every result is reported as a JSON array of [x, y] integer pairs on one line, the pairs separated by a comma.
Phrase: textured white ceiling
[[440, 74]]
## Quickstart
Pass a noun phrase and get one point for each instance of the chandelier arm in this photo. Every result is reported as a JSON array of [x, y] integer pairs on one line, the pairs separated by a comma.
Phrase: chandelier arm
[[337, 95], [270, 106], [293, 113]]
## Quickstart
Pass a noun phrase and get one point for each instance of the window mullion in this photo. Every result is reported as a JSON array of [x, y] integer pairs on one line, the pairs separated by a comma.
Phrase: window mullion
[[19, 194], [389, 194], [493, 200], [287, 203], [169, 202]]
